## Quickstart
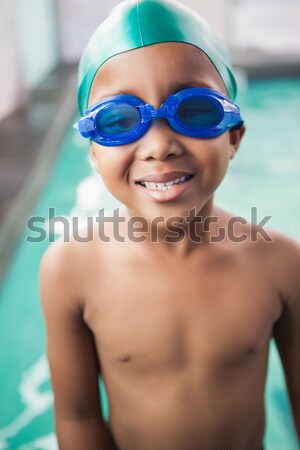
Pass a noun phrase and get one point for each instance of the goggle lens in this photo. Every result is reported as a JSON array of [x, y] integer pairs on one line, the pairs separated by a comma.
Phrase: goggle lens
[[117, 119], [199, 112]]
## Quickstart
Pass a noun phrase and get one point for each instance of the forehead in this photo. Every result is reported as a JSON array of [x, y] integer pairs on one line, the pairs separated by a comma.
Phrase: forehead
[[154, 72]]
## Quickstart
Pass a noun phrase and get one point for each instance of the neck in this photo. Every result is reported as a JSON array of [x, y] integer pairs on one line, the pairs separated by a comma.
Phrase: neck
[[180, 236]]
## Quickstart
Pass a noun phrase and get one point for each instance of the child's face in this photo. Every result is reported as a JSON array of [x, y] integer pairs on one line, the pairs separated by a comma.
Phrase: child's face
[[152, 74]]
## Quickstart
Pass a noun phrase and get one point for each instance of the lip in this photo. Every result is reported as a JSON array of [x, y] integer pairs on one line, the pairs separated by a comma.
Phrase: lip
[[163, 177], [168, 195]]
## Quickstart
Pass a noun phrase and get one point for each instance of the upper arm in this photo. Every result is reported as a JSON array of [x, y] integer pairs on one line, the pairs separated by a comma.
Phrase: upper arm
[[70, 346], [287, 329]]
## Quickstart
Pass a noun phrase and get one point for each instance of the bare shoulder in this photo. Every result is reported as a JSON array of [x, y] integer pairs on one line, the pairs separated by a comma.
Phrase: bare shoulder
[[60, 260], [62, 272], [56, 280], [277, 253], [280, 258], [283, 257], [284, 249], [57, 255], [68, 266], [282, 241]]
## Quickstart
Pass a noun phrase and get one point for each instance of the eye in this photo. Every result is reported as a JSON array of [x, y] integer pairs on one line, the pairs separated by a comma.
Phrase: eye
[[199, 112], [117, 119]]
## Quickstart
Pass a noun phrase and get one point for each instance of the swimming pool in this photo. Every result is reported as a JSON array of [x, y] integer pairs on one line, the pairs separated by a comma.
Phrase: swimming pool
[[265, 173]]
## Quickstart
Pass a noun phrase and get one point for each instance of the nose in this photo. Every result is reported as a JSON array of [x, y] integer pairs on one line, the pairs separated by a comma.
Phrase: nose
[[159, 142]]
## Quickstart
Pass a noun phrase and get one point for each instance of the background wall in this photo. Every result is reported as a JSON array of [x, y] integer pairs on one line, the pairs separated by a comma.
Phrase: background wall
[[9, 83], [37, 37], [272, 26], [76, 23], [269, 27], [29, 48]]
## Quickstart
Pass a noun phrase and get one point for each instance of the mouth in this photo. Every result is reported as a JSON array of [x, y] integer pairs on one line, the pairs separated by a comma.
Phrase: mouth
[[164, 180], [163, 191], [164, 186]]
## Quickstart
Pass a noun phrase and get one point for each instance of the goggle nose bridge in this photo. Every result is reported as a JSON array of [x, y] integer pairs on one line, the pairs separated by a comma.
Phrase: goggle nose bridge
[[166, 110]]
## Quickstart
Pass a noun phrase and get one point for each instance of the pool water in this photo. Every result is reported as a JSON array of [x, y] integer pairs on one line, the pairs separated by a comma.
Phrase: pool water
[[265, 174]]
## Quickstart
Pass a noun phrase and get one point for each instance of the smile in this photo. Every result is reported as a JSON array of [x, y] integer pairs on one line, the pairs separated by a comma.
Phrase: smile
[[165, 186], [166, 191]]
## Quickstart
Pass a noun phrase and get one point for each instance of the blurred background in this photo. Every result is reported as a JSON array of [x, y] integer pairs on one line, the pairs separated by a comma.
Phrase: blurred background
[[45, 164]]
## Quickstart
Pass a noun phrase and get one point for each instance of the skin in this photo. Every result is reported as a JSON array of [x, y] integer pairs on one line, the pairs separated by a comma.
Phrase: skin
[[180, 332]]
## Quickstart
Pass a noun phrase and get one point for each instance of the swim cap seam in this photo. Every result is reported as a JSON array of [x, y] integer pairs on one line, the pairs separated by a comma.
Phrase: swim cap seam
[[139, 23]]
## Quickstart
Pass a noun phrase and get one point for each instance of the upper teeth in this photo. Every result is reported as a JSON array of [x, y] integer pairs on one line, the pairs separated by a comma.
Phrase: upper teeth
[[163, 186]]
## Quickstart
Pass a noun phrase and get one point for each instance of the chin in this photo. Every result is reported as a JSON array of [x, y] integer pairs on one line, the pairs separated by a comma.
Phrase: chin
[[162, 213]]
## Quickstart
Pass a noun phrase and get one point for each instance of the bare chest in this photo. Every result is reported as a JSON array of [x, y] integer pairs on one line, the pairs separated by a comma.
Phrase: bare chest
[[162, 319]]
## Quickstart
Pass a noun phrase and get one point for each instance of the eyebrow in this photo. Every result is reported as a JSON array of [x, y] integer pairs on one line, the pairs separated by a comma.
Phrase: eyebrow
[[191, 84], [175, 88]]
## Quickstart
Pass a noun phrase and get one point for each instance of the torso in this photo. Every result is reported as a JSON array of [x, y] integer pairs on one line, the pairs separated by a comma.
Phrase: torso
[[183, 344]]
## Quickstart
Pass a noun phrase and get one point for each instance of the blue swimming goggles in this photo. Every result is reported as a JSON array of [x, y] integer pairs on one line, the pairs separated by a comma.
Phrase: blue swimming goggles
[[194, 112]]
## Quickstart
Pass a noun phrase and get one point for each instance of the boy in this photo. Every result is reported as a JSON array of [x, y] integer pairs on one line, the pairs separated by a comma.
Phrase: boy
[[177, 319]]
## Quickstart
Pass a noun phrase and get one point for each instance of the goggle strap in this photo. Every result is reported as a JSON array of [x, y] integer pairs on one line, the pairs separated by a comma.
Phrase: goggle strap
[[238, 126]]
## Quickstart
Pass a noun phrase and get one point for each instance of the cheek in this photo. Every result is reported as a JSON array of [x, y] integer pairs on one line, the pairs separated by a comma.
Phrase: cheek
[[112, 164], [215, 160]]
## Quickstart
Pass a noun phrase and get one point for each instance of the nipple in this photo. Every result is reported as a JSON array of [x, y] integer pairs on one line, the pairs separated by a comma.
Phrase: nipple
[[124, 358]]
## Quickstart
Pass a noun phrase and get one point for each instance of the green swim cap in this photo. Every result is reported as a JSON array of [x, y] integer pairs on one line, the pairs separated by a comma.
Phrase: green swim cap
[[138, 23]]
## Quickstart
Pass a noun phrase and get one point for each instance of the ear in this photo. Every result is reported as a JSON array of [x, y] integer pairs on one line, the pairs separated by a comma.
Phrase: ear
[[93, 156], [235, 137]]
